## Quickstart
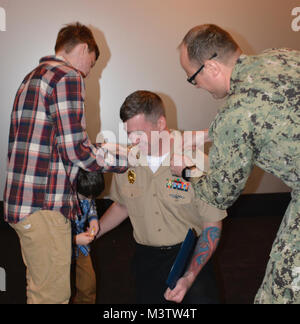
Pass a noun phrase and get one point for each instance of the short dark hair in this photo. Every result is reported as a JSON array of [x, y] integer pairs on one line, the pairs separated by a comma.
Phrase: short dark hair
[[142, 102], [90, 184], [74, 34], [204, 41]]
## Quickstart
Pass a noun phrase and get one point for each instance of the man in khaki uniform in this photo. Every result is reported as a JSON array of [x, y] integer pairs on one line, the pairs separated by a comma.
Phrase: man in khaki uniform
[[161, 208]]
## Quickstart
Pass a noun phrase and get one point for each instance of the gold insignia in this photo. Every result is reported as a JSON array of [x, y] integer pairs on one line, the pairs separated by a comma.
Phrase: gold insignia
[[133, 149], [131, 176]]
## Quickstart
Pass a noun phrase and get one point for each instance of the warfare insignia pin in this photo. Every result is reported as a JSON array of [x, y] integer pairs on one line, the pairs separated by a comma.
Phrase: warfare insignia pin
[[131, 176]]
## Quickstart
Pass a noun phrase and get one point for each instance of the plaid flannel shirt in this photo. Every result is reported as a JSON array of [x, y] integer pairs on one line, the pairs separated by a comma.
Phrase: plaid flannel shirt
[[48, 142], [88, 213]]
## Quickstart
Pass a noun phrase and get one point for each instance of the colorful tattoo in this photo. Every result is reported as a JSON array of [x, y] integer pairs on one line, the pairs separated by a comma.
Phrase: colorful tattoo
[[205, 246]]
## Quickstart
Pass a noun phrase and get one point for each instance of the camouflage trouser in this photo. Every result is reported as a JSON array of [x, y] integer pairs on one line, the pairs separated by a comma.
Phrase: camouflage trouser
[[281, 284]]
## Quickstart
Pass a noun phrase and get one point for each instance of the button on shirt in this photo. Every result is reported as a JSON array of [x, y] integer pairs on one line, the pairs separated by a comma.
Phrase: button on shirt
[[161, 207], [47, 142]]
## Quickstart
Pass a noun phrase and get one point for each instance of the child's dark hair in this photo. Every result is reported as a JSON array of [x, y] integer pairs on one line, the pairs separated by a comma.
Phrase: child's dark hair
[[90, 184]]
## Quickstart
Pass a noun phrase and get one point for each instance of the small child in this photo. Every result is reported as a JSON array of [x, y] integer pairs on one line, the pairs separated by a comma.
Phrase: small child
[[89, 187]]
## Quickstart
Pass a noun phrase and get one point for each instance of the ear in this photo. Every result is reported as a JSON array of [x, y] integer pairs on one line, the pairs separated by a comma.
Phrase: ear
[[81, 48], [85, 47], [162, 123], [213, 68]]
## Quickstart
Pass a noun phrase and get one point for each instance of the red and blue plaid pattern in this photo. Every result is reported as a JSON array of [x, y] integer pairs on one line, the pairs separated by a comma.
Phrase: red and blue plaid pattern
[[47, 142]]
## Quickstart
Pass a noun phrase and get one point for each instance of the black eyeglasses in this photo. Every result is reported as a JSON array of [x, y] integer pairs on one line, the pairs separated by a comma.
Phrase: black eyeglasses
[[192, 78]]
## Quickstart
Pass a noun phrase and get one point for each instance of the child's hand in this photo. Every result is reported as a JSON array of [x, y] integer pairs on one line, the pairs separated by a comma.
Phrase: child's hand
[[83, 238], [94, 228]]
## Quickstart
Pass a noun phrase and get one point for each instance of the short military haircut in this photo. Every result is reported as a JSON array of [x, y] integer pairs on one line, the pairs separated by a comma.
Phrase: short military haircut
[[204, 41], [73, 34], [142, 102]]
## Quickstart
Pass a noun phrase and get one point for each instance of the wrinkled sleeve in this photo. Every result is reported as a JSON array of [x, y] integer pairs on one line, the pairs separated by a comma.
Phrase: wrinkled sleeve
[[115, 190], [231, 161], [68, 115], [92, 212]]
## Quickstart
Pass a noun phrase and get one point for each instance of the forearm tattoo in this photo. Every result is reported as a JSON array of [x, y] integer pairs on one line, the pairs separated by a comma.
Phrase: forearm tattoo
[[205, 247]]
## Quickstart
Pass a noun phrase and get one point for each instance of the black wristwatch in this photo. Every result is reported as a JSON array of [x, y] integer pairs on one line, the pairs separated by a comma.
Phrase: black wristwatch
[[186, 172]]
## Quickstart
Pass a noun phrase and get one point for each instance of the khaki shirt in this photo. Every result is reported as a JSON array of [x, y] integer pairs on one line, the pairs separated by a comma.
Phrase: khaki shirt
[[161, 207]]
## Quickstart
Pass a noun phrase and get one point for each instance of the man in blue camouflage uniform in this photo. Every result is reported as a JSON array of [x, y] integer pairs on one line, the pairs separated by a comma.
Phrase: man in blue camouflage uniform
[[259, 124]]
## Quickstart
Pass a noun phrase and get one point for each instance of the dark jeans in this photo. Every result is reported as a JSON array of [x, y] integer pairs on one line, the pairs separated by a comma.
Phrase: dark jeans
[[151, 266]]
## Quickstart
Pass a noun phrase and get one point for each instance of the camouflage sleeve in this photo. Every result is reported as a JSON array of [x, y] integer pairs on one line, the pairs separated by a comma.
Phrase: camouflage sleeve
[[231, 162]]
